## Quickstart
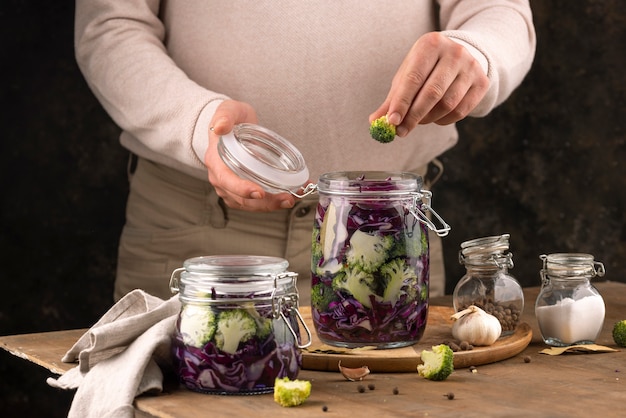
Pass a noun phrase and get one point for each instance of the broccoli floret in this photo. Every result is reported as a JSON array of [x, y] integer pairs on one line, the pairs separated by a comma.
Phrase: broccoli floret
[[368, 252], [397, 275], [357, 283], [291, 392], [263, 325], [619, 333], [437, 364], [321, 296], [382, 131], [197, 324], [233, 327], [316, 250]]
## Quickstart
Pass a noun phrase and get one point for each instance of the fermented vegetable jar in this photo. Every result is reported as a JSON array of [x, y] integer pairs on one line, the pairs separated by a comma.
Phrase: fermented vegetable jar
[[239, 325], [487, 282], [370, 259], [370, 250], [569, 309]]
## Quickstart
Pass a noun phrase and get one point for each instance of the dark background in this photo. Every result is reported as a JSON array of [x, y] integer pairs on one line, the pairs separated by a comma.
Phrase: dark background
[[546, 167]]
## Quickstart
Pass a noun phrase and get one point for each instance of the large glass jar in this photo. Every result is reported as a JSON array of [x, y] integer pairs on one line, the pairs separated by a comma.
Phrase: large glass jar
[[238, 328], [487, 282], [569, 309], [370, 259]]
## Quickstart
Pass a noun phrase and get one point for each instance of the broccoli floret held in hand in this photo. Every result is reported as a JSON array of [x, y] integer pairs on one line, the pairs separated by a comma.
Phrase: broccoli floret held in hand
[[438, 363], [382, 131]]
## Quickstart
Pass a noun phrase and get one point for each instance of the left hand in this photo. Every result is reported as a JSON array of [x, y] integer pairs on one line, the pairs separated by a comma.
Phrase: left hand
[[439, 81]]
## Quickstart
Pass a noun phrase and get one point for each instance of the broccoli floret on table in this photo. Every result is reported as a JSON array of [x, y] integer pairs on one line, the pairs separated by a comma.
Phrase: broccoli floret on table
[[619, 333], [437, 363], [291, 392]]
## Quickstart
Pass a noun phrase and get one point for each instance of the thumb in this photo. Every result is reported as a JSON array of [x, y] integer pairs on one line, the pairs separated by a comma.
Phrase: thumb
[[230, 113]]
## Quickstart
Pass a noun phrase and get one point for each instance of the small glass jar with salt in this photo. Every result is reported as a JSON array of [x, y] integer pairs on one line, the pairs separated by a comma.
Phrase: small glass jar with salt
[[569, 309]]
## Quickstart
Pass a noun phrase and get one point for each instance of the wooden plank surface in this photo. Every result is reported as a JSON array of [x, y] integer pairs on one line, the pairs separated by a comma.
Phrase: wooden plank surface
[[406, 359], [547, 386]]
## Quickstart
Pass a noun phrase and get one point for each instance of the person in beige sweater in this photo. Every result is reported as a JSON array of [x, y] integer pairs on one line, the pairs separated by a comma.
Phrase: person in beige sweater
[[174, 75]]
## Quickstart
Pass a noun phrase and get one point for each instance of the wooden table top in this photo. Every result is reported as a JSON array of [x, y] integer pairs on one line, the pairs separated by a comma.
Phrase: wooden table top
[[554, 386]]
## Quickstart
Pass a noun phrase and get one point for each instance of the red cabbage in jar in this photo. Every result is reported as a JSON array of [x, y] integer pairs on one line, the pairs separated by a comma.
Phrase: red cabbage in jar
[[370, 261], [236, 333]]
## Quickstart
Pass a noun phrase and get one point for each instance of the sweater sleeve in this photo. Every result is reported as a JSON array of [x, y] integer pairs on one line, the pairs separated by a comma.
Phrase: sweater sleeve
[[503, 32], [120, 50]]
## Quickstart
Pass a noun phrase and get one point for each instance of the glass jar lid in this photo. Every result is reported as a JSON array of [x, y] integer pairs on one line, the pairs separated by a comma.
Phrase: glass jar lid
[[237, 266], [564, 265], [232, 277], [264, 157], [487, 251]]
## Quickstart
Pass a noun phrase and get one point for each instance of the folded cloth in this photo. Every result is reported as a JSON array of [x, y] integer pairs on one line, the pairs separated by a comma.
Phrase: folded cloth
[[120, 356]]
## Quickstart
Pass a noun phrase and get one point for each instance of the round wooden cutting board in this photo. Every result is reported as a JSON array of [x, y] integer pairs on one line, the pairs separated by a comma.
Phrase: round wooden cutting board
[[320, 356]]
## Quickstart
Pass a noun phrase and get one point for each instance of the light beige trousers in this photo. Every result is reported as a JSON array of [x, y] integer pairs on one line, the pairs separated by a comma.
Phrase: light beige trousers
[[171, 217]]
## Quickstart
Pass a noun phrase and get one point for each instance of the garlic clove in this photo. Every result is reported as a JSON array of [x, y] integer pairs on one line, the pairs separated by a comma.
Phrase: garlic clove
[[354, 374]]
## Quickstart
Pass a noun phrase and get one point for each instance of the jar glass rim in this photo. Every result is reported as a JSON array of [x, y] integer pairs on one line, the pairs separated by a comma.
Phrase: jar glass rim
[[236, 265], [364, 183]]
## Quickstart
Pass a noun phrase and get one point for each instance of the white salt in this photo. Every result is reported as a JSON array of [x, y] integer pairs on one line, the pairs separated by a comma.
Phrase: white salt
[[571, 321]]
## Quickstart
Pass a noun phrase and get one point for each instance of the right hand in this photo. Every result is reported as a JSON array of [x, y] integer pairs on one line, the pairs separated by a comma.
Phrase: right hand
[[236, 192]]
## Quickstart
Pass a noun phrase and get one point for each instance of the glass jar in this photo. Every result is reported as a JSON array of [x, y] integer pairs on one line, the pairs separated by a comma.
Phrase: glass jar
[[487, 282], [238, 328], [370, 259], [569, 309]]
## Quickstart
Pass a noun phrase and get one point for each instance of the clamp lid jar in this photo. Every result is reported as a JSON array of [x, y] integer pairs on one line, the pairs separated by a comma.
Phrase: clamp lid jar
[[370, 259], [487, 282], [239, 325], [569, 309]]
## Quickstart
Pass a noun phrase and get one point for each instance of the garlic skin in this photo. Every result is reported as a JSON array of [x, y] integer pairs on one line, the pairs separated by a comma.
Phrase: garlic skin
[[476, 326], [354, 374]]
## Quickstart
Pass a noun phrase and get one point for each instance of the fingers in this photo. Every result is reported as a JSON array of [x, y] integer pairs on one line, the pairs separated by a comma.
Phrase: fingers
[[438, 82], [237, 192]]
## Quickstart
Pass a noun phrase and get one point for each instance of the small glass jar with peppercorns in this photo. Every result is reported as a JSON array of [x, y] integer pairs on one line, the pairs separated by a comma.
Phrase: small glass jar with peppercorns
[[487, 282]]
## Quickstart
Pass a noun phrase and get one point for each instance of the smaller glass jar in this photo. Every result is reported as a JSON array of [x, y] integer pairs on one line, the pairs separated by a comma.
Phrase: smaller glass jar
[[239, 325], [487, 282], [569, 309]]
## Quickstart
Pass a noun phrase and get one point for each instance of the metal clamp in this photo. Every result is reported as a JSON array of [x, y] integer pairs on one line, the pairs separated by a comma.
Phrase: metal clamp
[[423, 207]]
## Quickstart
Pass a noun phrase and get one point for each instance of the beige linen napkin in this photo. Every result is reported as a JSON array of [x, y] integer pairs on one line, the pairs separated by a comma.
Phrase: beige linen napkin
[[119, 356]]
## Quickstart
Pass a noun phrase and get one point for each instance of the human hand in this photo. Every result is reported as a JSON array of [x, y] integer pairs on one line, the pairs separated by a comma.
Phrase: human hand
[[237, 192], [439, 81]]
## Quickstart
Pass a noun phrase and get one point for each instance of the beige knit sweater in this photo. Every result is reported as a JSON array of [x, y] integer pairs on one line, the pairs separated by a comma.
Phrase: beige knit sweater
[[313, 70]]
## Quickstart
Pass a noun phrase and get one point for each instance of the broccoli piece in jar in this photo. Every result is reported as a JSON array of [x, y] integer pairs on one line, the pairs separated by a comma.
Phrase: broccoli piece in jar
[[398, 275], [357, 283], [234, 327], [368, 252], [197, 324]]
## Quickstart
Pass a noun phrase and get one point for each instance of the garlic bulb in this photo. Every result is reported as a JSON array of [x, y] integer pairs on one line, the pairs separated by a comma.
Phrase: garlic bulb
[[475, 326]]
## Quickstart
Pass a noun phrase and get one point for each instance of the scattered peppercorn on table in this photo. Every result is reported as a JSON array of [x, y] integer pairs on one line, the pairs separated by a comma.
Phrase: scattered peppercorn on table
[[527, 384]]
